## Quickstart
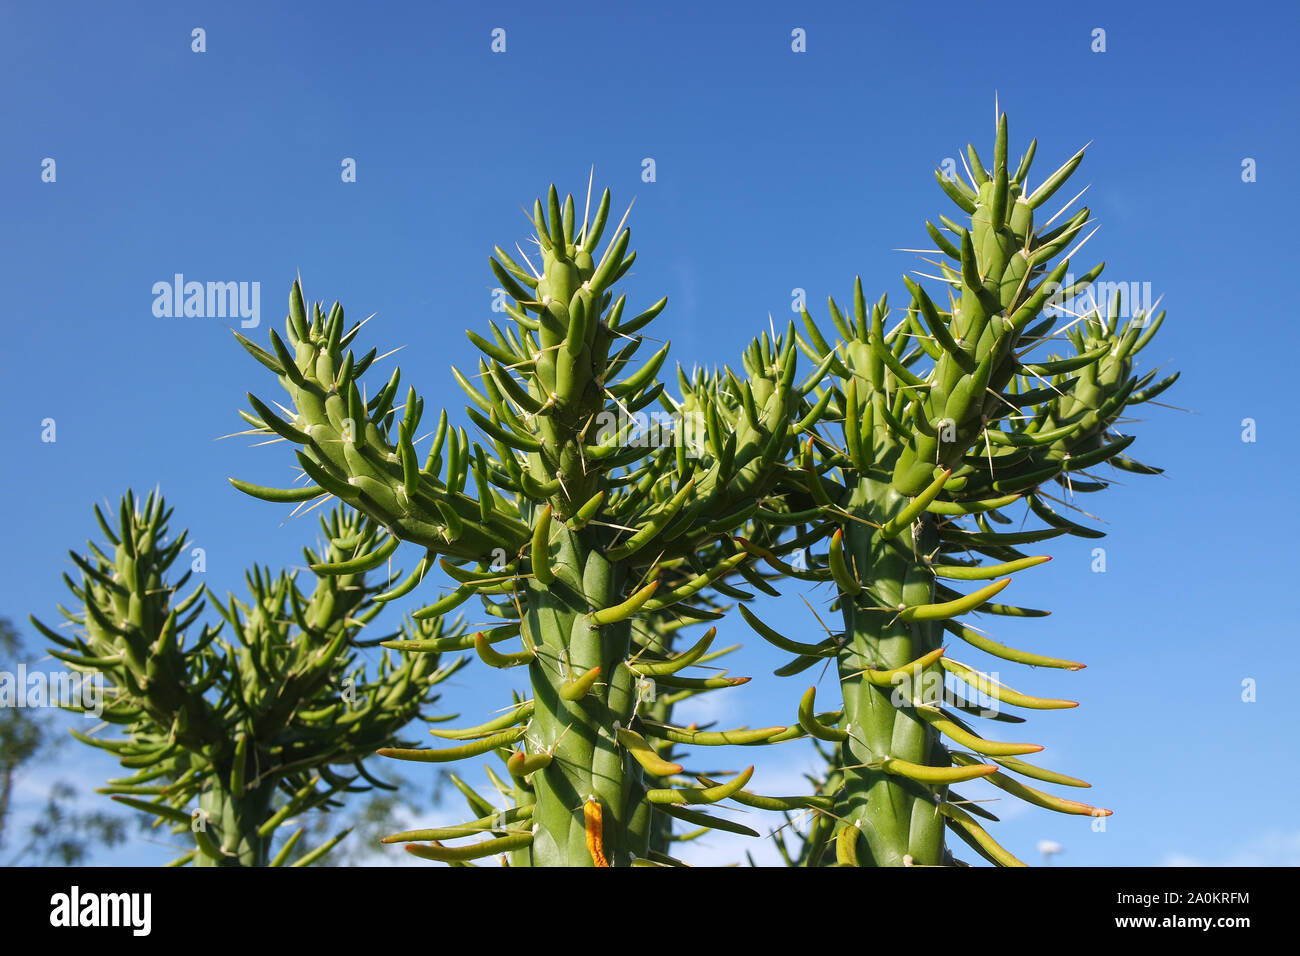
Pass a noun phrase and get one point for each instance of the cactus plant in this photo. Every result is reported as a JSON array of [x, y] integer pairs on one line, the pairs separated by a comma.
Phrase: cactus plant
[[228, 740], [656, 634], [579, 524], [900, 449], [945, 421]]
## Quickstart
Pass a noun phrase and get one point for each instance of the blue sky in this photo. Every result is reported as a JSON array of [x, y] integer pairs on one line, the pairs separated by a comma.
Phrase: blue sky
[[775, 170]]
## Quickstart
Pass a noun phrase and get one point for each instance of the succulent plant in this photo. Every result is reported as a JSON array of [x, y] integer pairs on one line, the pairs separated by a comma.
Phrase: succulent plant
[[592, 540], [228, 740], [937, 426], [580, 526], [492, 814]]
